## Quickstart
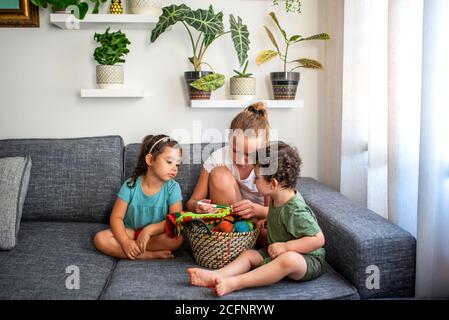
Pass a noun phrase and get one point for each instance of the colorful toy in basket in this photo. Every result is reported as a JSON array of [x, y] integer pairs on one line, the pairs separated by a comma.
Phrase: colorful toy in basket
[[221, 220]]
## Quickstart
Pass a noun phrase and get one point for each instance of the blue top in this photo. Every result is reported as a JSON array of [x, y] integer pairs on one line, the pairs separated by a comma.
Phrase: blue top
[[144, 209]]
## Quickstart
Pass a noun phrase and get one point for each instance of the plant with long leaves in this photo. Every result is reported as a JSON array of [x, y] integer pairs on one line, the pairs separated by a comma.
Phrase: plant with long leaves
[[268, 55], [77, 7], [209, 27], [113, 46], [243, 73]]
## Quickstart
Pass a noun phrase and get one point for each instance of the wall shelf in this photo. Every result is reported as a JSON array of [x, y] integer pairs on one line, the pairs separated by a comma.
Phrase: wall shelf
[[102, 21], [241, 104], [112, 93]]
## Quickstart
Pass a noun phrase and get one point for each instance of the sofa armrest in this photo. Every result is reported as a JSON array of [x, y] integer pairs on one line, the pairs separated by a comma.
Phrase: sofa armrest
[[357, 238]]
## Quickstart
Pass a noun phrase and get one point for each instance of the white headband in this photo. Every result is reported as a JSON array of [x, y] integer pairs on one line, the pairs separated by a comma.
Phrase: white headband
[[152, 147]]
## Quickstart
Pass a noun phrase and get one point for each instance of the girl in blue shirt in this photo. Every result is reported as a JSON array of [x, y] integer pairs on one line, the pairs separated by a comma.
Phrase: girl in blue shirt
[[138, 217]]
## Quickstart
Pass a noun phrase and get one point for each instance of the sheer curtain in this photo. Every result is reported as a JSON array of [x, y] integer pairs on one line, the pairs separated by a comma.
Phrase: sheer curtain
[[395, 123]]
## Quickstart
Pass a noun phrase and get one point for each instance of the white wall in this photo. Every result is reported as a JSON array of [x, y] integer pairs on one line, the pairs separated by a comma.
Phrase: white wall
[[42, 71]]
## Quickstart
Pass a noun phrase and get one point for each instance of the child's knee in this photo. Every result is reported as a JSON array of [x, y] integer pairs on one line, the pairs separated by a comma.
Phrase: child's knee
[[99, 240], [290, 260], [220, 176]]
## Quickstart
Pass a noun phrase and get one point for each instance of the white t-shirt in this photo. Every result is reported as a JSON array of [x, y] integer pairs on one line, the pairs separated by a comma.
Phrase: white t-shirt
[[248, 189]]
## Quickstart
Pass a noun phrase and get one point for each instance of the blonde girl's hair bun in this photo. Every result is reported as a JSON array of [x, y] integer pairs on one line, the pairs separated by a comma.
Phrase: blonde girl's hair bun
[[259, 109]]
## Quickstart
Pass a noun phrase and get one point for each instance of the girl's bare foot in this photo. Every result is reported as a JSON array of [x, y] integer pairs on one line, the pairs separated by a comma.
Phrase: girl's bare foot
[[225, 285], [202, 278], [163, 254]]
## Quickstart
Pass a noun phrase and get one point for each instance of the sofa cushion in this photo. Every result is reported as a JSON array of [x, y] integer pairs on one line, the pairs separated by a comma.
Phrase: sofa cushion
[[14, 178], [193, 157], [36, 268], [168, 279], [71, 179]]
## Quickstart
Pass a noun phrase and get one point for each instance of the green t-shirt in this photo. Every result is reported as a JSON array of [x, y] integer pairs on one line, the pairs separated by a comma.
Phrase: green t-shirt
[[292, 221], [144, 209]]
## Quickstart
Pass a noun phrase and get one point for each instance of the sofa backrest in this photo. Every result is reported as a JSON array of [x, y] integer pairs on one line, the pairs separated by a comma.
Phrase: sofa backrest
[[189, 170], [71, 179]]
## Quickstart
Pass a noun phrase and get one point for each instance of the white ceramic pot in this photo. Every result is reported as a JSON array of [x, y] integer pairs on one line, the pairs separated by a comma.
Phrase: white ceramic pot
[[151, 7], [243, 88], [110, 77]]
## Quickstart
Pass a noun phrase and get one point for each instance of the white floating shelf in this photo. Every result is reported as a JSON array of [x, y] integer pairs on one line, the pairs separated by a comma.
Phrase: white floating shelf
[[102, 21], [241, 104], [112, 93]]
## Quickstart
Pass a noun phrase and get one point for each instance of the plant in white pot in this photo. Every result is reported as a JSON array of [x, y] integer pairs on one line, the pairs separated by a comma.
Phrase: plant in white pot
[[150, 7], [285, 83], [243, 85], [112, 49], [78, 7]]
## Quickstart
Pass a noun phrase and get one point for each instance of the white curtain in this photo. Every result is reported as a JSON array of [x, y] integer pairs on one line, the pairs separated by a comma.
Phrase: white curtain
[[395, 123]]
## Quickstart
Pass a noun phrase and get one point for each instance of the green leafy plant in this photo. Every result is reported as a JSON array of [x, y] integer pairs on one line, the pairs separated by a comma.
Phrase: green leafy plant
[[243, 73], [290, 5], [268, 55], [209, 27], [113, 46], [77, 7]]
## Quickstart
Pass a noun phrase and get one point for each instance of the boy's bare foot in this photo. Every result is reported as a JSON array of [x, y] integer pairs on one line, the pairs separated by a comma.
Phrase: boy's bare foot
[[163, 254], [225, 285], [202, 278]]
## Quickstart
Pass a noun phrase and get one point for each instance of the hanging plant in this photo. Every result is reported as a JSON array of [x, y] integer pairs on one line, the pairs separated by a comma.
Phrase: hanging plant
[[290, 5]]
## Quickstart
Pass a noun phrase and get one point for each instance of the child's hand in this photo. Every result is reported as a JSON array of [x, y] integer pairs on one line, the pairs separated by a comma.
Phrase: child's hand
[[262, 224], [131, 249], [143, 238], [276, 249], [202, 207], [245, 208]]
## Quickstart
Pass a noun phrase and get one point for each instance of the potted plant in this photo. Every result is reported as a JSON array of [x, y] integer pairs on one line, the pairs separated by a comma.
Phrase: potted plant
[[285, 83], [243, 85], [113, 46], [290, 5], [151, 7], [78, 8], [209, 27]]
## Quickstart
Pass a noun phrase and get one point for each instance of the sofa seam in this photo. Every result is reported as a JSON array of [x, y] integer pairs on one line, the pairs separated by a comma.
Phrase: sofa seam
[[108, 280]]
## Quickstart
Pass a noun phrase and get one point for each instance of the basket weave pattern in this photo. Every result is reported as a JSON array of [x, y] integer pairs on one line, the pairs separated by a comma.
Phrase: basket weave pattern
[[216, 250]]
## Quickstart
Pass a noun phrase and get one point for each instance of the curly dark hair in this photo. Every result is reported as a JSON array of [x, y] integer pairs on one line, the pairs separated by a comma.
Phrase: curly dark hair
[[156, 144], [279, 161]]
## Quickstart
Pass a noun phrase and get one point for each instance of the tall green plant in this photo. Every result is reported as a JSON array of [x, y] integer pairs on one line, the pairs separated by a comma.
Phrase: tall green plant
[[209, 27], [113, 46], [78, 7], [268, 55]]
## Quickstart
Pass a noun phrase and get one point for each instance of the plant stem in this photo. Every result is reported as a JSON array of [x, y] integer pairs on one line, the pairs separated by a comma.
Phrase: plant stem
[[285, 58], [205, 49], [191, 38]]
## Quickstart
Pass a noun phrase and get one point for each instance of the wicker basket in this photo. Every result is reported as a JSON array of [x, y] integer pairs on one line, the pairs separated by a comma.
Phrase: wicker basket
[[214, 250]]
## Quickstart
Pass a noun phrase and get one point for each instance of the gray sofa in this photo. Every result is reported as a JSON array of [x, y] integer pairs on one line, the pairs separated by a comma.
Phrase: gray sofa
[[71, 191]]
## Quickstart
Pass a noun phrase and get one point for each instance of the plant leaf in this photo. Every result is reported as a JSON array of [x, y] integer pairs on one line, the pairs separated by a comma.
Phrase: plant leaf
[[272, 38], [240, 37], [275, 19], [266, 56], [205, 21], [209, 83], [294, 38], [309, 63], [170, 16], [321, 36], [208, 39]]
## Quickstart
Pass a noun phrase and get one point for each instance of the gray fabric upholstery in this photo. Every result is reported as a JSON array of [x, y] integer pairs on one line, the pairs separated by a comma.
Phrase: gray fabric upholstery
[[357, 238], [168, 279], [14, 178], [71, 179], [36, 268], [189, 170]]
